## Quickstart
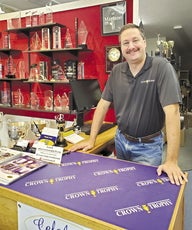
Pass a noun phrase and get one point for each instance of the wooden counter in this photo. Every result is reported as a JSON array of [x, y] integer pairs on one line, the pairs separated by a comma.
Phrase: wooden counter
[[103, 140]]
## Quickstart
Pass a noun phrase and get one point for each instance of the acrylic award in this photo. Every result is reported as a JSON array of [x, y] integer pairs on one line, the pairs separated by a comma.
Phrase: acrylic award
[[10, 66], [56, 37], [68, 40], [45, 39], [82, 35], [35, 42]]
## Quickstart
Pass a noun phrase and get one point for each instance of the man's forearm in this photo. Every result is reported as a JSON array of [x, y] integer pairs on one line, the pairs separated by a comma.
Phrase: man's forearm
[[98, 119], [173, 135]]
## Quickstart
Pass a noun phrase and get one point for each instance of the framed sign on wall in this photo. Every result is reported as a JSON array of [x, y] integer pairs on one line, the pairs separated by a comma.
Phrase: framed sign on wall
[[113, 56], [113, 17]]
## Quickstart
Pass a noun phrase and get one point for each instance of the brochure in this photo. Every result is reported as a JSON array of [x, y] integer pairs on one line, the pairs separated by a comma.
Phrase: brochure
[[15, 169], [7, 154]]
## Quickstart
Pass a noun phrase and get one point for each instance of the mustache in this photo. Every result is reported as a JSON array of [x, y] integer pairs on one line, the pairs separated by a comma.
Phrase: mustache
[[132, 50]]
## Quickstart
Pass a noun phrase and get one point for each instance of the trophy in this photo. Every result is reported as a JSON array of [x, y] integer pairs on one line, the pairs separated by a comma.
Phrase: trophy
[[5, 97], [170, 46], [21, 69], [60, 121], [82, 35], [17, 130], [10, 68], [34, 18], [28, 19], [56, 37], [48, 14], [34, 100], [48, 100], [45, 38], [6, 41], [35, 42], [68, 40], [37, 126], [43, 70], [17, 98]]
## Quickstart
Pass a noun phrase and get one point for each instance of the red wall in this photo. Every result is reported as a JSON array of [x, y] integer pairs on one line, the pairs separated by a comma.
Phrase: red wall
[[94, 61]]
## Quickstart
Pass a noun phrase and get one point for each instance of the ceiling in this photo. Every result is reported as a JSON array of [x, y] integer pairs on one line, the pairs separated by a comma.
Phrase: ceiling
[[18, 5], [158, 17]]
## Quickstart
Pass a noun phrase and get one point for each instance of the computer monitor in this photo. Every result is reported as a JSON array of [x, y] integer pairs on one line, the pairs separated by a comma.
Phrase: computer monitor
[[86, 94]]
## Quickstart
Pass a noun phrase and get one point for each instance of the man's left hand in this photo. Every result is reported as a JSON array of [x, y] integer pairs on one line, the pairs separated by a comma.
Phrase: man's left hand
[[176, 176]]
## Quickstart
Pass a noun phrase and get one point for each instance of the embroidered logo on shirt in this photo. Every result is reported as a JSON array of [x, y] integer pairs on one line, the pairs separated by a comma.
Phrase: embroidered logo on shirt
[[147, 81]]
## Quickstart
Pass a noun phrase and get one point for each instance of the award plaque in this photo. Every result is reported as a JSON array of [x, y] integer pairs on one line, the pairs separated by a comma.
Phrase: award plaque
[[45, 39], [82, 35], [43, 70], [70, 68], [6, 41], [80, 70], [56, 37], [10, 66]]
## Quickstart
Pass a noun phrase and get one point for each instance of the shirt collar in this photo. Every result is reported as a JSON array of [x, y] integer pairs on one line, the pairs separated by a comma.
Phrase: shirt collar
[[147, 65]]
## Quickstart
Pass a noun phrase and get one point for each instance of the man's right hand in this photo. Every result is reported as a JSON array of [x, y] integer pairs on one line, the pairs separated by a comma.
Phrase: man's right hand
[[83, 145]]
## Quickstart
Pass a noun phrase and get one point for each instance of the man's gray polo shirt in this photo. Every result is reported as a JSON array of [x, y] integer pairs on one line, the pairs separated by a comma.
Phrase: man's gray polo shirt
[[139, 101]]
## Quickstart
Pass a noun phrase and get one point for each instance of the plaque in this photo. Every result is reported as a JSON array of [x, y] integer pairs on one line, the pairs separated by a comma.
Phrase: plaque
[[43, 70], [70, 68], [6, 41], [10, 66], [45, 39], [56, 37], [113, 17]]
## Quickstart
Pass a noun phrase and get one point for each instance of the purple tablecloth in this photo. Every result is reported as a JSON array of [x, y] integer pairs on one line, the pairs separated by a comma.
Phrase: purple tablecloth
[[122, 193]]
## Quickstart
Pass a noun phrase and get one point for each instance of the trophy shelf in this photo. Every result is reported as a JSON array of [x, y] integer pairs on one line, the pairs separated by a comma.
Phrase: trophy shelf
[[27, 30], [8, 51], [48, 52], [25, 108]]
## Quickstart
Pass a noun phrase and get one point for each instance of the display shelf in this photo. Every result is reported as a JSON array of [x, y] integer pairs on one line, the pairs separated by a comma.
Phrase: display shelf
[[12, 79], [35, 113], [49, 53], [8, 51], [27, 30], [52, 85]]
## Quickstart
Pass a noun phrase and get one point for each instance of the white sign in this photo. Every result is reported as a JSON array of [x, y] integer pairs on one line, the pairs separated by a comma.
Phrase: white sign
[[51, 154], [30, 218]]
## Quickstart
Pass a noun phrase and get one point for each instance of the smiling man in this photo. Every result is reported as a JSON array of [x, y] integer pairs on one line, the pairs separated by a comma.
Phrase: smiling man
[[146, 95]]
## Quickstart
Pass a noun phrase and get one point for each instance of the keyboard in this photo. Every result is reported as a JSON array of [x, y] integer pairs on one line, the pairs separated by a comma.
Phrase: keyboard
[[105, 126]]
